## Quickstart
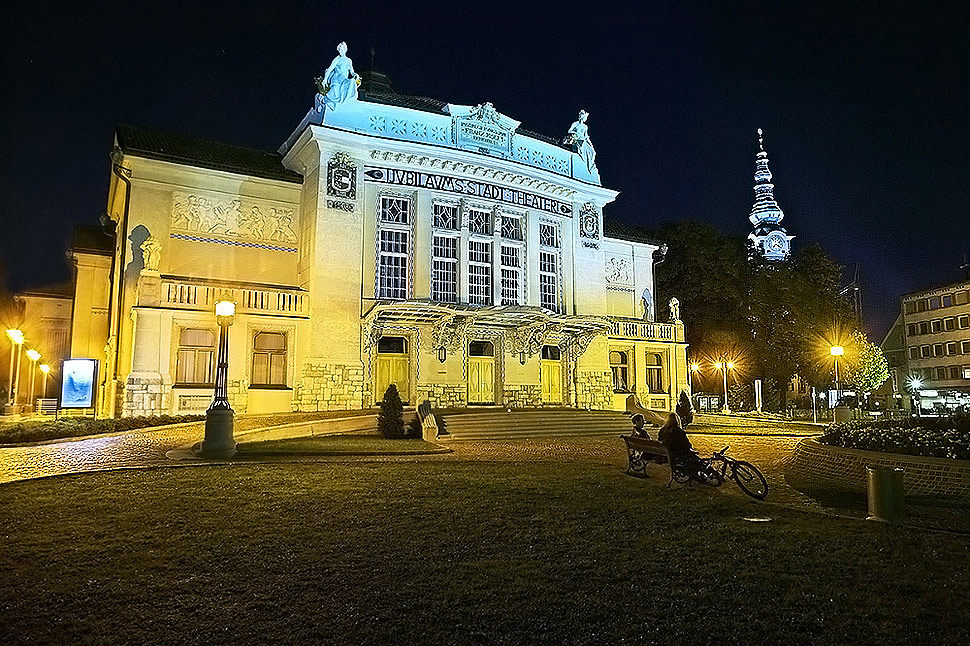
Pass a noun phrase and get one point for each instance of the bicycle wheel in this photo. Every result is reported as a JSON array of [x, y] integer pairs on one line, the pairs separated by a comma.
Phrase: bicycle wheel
[[750, 480], [706, 474], [680, 471]]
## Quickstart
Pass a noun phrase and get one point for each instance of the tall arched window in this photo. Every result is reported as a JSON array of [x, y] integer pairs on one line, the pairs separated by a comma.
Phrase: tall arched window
[[620, 367], [654, 372]]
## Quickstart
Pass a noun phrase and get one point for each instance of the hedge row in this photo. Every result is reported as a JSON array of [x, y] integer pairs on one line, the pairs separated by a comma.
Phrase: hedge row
[[35, 431], [936, 437]]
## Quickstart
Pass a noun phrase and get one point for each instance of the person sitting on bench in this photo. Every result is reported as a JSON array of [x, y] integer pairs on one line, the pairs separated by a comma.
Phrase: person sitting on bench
[[638, 422], [673, 437]]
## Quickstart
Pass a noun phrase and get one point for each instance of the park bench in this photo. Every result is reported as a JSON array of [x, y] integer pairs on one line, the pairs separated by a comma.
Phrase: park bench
[[640, 451]]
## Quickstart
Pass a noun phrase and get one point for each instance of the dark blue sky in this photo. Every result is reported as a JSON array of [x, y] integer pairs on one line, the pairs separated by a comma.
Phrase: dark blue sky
[[865, 109]]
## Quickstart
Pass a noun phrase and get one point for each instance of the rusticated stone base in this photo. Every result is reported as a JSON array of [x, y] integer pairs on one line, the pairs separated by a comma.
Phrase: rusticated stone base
[[594, 390], [443, 395], [522, 395], [238, 391], [330, 386], [145, 394]]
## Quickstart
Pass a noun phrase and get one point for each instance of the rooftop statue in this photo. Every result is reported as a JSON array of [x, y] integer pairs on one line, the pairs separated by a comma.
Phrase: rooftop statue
[[339, 83], [578, 137]]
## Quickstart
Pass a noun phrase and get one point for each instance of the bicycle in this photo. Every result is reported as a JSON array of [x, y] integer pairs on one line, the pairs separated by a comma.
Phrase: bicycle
[[713, 471]]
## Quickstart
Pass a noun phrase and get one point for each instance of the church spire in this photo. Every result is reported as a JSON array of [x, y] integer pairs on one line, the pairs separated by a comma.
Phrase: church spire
[[769, 237]]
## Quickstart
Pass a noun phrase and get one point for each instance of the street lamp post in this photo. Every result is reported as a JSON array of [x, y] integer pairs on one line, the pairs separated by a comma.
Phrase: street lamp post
[[218, 440], [33, 355], [16, 339], [690, 380], [724, 366], [46, 370], [837, 351]]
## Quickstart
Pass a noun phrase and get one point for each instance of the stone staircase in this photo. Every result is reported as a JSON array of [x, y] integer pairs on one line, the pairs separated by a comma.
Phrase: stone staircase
[[499, 424]]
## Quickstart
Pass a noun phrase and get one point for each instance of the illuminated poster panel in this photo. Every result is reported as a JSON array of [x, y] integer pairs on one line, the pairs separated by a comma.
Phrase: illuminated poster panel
[[77, 390]]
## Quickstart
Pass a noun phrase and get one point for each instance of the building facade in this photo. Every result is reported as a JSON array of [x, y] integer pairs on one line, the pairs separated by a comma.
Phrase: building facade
[[937, 332], [391, 239]]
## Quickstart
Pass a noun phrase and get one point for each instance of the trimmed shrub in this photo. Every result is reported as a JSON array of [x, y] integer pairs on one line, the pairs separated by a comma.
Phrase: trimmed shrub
[[36, 431], [390, 419], [934, 437], [685, 409]]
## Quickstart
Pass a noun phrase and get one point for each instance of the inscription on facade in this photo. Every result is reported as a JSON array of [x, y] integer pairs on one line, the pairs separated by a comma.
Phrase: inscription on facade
[[484, 190], [232, 218]]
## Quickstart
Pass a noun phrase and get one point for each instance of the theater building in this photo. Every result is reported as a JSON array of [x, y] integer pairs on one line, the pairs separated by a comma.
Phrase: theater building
[[390, 239]]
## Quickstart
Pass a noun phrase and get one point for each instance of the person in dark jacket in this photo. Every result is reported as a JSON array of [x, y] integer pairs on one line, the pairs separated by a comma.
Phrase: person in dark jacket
[[673, 437], [638, 422]]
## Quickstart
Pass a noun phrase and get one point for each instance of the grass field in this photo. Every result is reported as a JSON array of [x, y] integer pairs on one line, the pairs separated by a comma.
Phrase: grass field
[[356, 444], [455, 553]]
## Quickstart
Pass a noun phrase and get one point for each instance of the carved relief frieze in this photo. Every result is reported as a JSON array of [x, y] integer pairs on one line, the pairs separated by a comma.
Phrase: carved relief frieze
[[237, 219], [619, 271]]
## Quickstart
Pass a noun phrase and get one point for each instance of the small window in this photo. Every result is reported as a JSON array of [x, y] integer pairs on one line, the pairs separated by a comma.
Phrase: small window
[[966, 372], [445, 216], [395, 210], [934, 302], [551, 352], [392, 345], [965, 347], [911, 329], [195, 363], [548, 234], [620, 367], [937, 349], [937, 326], [479, 222], [512, 228], [910, 307], [481, 349], [948, 300], [951, 348], [949, 324], [963, 322], [269, 359], [961, 298], [924, 351], [941, 374], [914, 353], [955, 372], [921, 305], [924, 328]]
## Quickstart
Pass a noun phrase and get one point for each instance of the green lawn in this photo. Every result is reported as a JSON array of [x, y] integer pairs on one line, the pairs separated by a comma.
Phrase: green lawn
[[357, 444], [455, 553]]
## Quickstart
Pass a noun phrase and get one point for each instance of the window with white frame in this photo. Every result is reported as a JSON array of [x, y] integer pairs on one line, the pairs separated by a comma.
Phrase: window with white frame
[[511, 266], [444, 216], [620, 367], [549, 280], [269, 359], [548, 235], [479, 221], [195, 362], [512, 227], [479, 272], [444, 269], [395, 210], [393, 247]]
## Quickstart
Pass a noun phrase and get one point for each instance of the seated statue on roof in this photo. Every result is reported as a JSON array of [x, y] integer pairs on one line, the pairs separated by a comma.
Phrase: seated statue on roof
[[339, 83], [578, 137]]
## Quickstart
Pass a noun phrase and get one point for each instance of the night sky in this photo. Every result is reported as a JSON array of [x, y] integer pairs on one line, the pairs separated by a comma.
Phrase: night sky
[[865, 110]]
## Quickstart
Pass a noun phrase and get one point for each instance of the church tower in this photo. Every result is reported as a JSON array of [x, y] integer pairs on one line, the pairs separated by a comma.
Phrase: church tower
[[769, 238]]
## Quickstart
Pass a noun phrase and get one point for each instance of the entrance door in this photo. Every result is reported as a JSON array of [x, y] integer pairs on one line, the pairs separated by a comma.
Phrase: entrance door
[[393, 367], [481, 372], [550, 375]]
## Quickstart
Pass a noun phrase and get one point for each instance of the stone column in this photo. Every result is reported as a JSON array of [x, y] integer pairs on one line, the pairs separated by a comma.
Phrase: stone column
[[145, 392]]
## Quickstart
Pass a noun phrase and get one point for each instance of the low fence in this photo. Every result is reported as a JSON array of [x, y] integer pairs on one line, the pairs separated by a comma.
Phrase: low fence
[[814, 465]]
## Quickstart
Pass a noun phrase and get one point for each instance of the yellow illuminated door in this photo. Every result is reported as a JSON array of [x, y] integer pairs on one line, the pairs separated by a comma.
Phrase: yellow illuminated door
[[481, 380], [393, 369], [550, 375]]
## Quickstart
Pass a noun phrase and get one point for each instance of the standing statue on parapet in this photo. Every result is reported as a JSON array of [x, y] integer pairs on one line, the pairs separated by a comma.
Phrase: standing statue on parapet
[[339, 83], [578, 137], [674, 305], [151, 253]]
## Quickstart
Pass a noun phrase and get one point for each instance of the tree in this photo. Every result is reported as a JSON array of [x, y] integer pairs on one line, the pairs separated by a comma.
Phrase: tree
[[390, 418], [867, 368]]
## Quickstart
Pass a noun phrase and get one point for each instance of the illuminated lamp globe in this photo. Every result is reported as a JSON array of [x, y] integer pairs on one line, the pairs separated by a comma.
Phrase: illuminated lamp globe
[[837, 351], [44, 368], [33, 355], [16, 336]]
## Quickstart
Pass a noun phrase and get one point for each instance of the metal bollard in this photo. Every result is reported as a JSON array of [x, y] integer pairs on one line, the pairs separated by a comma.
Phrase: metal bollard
[[886, 503]]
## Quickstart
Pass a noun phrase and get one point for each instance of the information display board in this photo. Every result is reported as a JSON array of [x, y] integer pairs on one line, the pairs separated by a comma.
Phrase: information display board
[[78, 386]]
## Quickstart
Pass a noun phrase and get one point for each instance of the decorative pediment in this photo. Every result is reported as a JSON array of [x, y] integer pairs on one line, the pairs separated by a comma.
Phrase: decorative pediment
[[482, 128]]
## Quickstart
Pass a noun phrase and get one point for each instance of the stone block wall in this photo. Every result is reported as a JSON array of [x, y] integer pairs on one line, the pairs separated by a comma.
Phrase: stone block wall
[[330, 386], [145, 394], [522, 395], [238, 391], [594, 389], [443, 395], [814, 465]]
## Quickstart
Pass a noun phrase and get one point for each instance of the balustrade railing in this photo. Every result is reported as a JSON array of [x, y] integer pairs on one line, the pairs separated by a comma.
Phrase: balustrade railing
[[197, 296], [634, 329]]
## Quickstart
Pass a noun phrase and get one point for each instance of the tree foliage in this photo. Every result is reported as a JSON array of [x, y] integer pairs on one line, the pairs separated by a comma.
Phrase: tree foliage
[[390, 418], [867, 368], [774, 319]]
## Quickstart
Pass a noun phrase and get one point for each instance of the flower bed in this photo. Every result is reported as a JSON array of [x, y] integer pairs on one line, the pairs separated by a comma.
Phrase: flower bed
[[36, 431], [937, 437]]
